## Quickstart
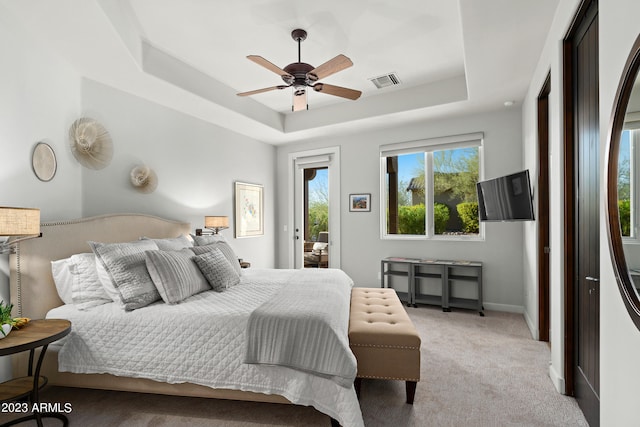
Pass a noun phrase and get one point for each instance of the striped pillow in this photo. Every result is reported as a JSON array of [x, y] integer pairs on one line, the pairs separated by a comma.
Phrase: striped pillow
[[175, 275]]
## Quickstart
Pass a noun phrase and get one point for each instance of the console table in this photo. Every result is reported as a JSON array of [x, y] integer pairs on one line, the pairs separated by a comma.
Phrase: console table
[[37, 333], [451, 275]]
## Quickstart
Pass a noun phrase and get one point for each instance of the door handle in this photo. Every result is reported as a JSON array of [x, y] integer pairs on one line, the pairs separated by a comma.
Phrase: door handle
[[592, 279]]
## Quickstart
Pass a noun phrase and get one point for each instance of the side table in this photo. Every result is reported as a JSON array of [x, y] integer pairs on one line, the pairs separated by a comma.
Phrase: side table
[[37, 333]]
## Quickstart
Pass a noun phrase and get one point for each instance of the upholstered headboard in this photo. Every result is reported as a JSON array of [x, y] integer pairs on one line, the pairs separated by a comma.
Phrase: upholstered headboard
[[33, 291]]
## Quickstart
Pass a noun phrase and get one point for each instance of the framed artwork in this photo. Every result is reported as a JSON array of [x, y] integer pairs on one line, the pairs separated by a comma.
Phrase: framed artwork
[[359, 202], [249, 212]]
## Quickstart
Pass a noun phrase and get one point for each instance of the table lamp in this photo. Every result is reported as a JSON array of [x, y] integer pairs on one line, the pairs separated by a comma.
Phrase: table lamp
[[20, 224]]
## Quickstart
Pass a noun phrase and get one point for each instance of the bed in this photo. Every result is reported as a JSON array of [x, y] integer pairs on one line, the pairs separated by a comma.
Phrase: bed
[[188, 352]]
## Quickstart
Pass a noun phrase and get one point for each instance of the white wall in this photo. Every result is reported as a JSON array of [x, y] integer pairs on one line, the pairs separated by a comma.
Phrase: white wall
[[362, 248], [550, 61], [40, 98], [196, 162], [619, 338]]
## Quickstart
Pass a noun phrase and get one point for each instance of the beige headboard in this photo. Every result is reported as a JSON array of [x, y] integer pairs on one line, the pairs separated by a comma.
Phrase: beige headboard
[[33, 292]]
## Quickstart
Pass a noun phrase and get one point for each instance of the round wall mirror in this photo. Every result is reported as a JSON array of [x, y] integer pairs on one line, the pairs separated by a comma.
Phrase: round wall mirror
[[623, 185]]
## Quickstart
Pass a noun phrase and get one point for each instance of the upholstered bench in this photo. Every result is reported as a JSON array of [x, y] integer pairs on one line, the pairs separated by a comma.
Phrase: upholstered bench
[[383, 338]]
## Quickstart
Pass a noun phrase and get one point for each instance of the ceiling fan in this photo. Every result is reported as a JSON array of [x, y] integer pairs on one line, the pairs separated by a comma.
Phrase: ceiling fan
[[300, 75]]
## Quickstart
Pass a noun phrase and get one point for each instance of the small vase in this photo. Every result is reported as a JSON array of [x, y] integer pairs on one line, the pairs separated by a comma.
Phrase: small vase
[[6, 328]]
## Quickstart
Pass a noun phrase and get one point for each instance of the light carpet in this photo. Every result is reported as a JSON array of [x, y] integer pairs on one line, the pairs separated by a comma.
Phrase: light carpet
[[482, 371]]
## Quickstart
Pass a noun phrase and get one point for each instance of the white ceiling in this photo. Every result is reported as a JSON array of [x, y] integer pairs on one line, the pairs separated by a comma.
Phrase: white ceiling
[[452, 57]]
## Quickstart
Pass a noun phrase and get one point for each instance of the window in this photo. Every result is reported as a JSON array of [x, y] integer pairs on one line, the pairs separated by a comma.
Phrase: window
[[316, 202], [429, 188], [627, 191]]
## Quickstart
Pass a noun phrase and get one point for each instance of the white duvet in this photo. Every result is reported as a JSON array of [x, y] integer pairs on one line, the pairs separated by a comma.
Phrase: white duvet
[[202, 341]]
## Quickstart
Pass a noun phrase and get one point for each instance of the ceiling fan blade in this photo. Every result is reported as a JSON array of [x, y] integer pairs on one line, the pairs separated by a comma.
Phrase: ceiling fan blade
[[337, 91], [268, 65], [330, 67], [299, 101], [266, 89]]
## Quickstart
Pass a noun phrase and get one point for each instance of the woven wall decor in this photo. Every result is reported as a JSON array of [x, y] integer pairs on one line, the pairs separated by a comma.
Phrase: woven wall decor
[[144, 179], [91, 144]]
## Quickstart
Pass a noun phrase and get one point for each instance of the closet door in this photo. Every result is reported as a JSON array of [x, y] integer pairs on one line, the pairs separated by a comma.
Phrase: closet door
[[586, 225]]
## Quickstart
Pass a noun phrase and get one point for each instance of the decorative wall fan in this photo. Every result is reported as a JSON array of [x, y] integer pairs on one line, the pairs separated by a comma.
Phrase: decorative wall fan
[[144, 179], [300, 75], [91, 144]]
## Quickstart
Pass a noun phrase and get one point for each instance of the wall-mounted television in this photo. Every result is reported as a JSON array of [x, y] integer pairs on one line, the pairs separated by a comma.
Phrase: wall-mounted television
[[507, 198]]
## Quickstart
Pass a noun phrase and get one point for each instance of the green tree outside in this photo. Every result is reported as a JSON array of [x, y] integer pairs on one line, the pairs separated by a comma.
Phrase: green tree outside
[[455, 172], [318, 219], [624, 209]]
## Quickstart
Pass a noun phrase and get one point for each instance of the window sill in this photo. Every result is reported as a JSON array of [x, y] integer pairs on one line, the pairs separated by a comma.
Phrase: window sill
[[438, 238]]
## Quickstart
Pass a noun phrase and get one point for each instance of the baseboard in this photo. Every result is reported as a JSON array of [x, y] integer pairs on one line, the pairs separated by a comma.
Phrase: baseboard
[[535, 333], [557, 380], [503, 307]]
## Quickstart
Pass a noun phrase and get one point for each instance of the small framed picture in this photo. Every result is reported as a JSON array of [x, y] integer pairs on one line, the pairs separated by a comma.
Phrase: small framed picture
[[359, 202], [249, 217]]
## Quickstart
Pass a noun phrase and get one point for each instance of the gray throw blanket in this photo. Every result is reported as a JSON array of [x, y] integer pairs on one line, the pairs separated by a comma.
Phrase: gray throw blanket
[[305, 326]]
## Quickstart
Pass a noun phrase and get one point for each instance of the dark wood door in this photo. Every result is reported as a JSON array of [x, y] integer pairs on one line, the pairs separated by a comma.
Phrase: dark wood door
[[543, 212], [587, 218]]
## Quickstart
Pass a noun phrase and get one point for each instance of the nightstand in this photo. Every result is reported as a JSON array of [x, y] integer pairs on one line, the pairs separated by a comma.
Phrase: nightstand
[[245, 264], [37, 333]]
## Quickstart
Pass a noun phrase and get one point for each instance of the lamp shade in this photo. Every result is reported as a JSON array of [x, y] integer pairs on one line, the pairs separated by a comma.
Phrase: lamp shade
[[19, 221], [217, 222]]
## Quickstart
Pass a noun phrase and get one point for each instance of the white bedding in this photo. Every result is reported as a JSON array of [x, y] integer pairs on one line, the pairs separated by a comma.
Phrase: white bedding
[[185, 343], [305, 326]]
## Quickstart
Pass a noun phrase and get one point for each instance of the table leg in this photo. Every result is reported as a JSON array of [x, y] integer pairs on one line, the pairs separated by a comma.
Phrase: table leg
[[34, 398]]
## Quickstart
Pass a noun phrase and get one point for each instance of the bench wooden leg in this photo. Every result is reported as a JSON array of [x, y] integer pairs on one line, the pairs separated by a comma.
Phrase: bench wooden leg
[[356, 384], [411, 391]]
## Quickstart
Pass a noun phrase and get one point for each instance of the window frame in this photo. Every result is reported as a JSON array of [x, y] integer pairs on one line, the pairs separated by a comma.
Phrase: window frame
[[428, 147], [634, 190]]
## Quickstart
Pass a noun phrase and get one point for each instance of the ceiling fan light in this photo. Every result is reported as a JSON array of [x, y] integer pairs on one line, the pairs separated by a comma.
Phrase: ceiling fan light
[[299, 99]]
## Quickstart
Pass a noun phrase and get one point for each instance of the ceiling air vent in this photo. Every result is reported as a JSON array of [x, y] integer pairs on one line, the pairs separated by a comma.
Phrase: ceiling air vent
[[387, 80]]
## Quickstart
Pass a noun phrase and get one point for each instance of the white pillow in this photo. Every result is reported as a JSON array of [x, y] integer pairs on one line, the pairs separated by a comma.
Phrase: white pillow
[[87, 290], [63, 279], [319, 247], [107, 283]]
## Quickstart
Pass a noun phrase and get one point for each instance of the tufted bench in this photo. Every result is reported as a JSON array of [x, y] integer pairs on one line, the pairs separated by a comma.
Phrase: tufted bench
[[383, 338]]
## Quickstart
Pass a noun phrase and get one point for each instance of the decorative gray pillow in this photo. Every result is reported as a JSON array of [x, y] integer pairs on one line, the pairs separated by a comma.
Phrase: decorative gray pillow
[[172, 244], [217, 269], [175, 274], [226, 250], [125, 263], [86, 288], [207, 240]]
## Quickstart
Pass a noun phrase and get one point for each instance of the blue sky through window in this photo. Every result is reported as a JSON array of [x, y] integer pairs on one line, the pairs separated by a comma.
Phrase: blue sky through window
[[624, 146], [319, 186], [409, 165]]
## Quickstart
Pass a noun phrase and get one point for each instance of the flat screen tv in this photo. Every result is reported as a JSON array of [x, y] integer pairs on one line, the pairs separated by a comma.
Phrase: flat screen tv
[[507, 198]]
